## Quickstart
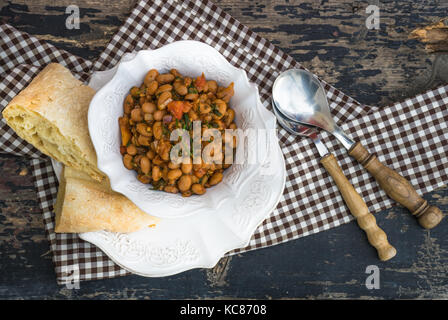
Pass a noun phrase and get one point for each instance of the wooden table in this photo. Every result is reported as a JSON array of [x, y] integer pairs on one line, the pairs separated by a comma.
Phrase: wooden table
[[331, 39]]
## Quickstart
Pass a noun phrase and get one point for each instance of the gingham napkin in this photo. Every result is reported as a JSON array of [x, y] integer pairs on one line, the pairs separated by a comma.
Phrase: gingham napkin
[[410, 136]]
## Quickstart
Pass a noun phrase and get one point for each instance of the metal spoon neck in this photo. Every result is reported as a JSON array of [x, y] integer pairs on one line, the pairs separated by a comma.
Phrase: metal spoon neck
[[342, 137]]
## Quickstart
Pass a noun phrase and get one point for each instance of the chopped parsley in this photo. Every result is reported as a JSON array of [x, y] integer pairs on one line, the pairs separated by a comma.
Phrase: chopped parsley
[[215, 110]]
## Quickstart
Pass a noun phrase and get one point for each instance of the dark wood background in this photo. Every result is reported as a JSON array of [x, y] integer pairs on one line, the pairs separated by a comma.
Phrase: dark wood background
[[330, 38]]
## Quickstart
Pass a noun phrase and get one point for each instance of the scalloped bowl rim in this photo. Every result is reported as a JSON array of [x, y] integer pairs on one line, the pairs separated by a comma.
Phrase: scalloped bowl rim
[[108, 167]]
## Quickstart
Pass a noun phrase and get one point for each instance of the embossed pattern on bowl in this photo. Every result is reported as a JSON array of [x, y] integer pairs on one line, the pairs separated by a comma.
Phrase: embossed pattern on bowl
[[190, 58]]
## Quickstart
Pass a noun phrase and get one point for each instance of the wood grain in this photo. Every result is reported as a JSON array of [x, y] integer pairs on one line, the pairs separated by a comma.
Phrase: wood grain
[[397, 187], [358, 208]]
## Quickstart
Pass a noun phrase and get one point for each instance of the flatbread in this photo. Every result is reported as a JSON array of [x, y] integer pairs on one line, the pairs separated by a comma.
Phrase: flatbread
[[85, 205], [51, 114]]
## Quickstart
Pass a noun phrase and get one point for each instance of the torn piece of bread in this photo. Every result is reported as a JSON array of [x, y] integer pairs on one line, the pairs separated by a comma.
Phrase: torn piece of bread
[[51, 114], [84, 205]]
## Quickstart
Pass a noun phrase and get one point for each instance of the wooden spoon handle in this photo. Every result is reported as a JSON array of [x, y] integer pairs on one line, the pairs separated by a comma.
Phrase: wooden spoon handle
[[397, 187], [376, 236]]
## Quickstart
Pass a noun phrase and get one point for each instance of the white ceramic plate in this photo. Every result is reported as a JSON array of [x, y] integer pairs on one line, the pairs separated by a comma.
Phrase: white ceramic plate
[[201, 239], [190, 58]]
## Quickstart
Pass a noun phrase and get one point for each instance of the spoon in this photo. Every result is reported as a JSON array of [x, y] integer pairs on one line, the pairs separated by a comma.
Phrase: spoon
[[300, 98], [367, 222]]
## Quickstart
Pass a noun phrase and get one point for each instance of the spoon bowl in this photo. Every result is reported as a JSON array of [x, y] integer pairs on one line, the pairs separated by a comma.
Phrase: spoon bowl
[[299, 97]]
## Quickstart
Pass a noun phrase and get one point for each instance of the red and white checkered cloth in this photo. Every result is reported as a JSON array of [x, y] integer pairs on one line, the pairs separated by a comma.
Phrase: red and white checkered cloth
[[409, 136]]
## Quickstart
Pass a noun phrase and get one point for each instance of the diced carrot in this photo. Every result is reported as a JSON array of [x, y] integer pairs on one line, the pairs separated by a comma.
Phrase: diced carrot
[[178, 108], [125, 130], [201, 83], [186, 107]]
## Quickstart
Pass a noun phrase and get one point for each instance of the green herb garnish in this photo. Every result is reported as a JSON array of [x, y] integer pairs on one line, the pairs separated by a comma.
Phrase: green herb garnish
[[192, 90], [187, 122], [158, 185], [215, 110]]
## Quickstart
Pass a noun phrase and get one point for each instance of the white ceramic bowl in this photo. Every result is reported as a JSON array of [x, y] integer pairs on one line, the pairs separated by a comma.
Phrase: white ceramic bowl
[[191, 58], [198, 240]]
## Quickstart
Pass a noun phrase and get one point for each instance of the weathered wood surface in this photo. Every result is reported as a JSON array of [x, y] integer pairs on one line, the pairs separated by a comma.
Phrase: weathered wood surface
[[328, 37]]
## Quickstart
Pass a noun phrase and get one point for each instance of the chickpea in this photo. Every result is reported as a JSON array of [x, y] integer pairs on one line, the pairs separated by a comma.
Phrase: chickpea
[[145, 165], [165, 78], [186, 168], [144, 129], [131, 149], [191, 96], [219, 124], [157, 130], [164, 99], [150, 76], [158, 115], [164, 88], [174, 174], [148, 117], [211, 96], [212, 86], [135, 92], [229, 116], [200, 172], [157, 160], [220, 108], [173, 165], [127, 161], [151, 154], [128, 104], [143, 140], [225, 93], [175, 73], [156, 173], [137, 159], [206, 118], [197, 188], [193, 115], [165, 155], [149, 107], [152, 87], [165, 173], [204, 108], [180, 88], [194, 179], [187, 193], [184, 183], [136, 115], [171, 189], [144, 178], [204, 180], [215, 178]]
